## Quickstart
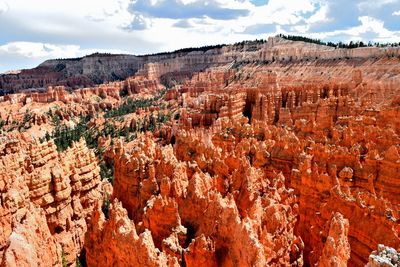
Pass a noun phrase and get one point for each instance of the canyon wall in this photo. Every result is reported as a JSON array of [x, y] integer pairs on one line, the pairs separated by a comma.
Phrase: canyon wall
[[74, 73], [102, 68], [46, 201], [195, 209], [339, 149], [280, 49], [246, 160]]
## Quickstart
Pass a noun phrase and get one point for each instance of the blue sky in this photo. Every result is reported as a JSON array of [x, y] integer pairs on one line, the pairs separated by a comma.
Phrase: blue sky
[[33, 31]]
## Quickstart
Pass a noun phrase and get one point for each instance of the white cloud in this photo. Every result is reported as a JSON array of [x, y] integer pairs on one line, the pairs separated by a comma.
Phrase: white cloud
[[3, 7], [38, 50], [320, 16], [371, 24], [18, 55], [44, 50], [370, 29], [374, 4], [396, 13], [281, 12]]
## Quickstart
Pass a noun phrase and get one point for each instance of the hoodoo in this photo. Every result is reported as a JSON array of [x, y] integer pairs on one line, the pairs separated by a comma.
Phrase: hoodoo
[[263, 153]]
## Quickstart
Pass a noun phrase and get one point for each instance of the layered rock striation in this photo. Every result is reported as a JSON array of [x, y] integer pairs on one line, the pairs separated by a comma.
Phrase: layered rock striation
[[197, 204], [46, 201], [101, 68], [285, 155]]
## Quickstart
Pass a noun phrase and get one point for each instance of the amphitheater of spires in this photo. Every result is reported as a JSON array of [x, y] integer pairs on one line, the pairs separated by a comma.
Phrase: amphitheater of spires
[[277, 153]]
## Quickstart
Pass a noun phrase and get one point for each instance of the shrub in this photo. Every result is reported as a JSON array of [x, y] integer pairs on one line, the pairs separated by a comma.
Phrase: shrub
[[63, 259], [107, 172], [105, 207]]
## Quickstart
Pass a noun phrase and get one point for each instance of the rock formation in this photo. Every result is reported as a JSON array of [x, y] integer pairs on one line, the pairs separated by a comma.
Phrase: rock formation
[[101, 68], [336, 251], [384, 256], [285, 155], [239, 217], [46, 201]]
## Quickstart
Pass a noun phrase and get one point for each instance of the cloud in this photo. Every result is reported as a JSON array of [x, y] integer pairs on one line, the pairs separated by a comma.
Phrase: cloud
[[32, 50], [139, 22], [373, 4], [290, 12], [44, 50], [260, 29], [396, 13], [17, 55], [3, 7], [343, 14], [369, 29], [382, 10], [340, 14], [183, 23], [35, 53], [92, 24], [177, 9]]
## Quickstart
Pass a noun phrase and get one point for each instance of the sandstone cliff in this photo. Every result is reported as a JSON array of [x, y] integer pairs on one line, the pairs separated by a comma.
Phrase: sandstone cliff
[[384, 256], [101, 68], [196, 209], [46, 201], [254, 161]]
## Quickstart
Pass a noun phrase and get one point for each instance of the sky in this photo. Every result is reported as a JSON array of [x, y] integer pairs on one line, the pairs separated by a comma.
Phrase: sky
[[33, 31]]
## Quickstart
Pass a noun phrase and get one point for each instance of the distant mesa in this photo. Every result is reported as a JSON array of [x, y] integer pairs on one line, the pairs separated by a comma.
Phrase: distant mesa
[[99, 68]]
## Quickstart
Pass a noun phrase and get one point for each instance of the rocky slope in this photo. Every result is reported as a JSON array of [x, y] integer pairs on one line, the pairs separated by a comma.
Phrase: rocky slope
[[79, 72], [384, 256], [239, 217], [343, 154], [47, 199], [101, 68], [286, 155]]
